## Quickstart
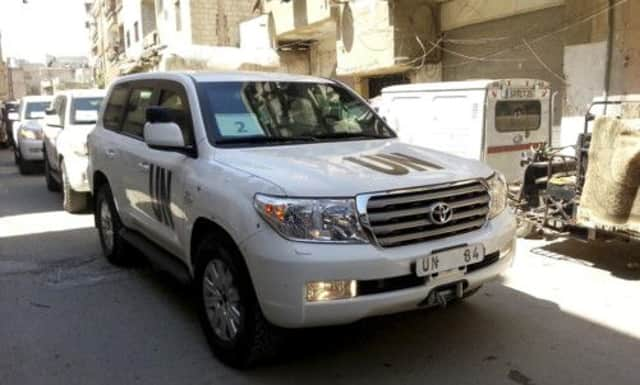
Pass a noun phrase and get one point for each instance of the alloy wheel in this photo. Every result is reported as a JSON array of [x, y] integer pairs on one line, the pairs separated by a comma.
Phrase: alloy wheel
[[221, 300]]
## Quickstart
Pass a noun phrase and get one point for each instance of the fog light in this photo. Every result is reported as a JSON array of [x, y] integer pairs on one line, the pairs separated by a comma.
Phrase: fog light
[[506, 249], [330, 290]]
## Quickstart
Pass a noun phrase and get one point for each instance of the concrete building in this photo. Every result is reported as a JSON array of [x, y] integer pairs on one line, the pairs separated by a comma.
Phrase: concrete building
[[584, 48], [4, 83], [144, 35]]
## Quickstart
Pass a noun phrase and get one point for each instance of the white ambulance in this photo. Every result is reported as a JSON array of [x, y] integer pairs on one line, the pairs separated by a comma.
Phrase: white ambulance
[[494, 121]]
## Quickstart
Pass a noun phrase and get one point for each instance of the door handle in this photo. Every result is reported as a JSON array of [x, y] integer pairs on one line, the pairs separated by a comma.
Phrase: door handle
[[144, 165], [110, 153]]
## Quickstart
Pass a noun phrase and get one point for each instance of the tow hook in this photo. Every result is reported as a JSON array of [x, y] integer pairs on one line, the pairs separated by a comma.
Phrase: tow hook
[[442, 295]]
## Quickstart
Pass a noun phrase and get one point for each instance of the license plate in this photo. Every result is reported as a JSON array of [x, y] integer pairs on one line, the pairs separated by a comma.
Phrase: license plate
[[449, 259], [521, 93]]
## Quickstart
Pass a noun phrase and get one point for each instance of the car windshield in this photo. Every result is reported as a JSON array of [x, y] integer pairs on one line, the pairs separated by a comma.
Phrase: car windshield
[[35, 110], [253, 113], [85, 110]]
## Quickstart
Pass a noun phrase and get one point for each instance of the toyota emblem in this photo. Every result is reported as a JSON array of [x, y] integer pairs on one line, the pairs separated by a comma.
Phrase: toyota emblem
[[441, 213]]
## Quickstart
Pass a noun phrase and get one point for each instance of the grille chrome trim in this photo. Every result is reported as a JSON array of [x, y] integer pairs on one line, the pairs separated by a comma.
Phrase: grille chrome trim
[[401, 217]]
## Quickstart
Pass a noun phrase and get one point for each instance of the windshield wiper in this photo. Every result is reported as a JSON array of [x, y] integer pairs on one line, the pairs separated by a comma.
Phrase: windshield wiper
[[348, 135]]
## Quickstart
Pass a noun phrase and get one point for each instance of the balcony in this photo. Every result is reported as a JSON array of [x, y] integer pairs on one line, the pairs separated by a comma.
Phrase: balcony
[[300, 19]]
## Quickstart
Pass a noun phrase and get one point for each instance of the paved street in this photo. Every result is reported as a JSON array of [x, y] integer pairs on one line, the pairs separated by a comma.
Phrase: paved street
[[566, 313]]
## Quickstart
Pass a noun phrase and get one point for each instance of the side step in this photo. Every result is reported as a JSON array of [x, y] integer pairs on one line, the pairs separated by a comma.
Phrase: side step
[[158, 257]]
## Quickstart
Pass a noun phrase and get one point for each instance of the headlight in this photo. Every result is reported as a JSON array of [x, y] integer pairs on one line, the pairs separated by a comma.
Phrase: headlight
[[80, 148], [312, 220], [498, 192], [30, 134]]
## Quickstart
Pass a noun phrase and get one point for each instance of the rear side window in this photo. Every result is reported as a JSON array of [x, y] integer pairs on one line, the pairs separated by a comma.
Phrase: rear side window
[[115, 109], [520, 115], [135, 119]]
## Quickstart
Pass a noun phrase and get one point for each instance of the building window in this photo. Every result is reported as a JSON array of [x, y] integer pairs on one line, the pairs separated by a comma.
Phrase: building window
[[128, 39], [136, 32], [178, 17]]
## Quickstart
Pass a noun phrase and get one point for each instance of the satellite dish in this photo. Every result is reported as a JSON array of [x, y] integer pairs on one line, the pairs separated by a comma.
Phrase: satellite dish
[[347, 28]]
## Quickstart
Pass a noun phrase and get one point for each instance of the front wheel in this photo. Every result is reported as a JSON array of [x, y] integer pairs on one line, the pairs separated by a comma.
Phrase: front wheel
[[233, 322]]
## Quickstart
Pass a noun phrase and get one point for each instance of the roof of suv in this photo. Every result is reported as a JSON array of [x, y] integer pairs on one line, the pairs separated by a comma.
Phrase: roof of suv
[[82, 93], [235, 76], [36, 98]]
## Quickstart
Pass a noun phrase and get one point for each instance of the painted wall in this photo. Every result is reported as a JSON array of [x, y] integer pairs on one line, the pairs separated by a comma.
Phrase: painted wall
[[461, 13]]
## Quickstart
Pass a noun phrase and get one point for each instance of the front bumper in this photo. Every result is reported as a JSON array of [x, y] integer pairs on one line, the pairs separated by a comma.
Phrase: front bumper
[[280, 269], [31, 149], [77, 171]]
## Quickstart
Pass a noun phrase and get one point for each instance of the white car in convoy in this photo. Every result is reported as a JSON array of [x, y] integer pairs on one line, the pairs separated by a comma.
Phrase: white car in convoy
[[72, 116], [27, 132], [288, 203]]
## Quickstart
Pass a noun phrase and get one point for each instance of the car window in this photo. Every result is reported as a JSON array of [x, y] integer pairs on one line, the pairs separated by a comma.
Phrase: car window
[[35, 110], [139, 100], [281, 110], [179, 110], [115, 109], [520, 115], [84, 110]]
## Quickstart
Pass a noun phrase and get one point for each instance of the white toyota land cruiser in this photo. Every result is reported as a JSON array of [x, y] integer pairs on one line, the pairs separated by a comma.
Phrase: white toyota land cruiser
[[72, 116], [288, 203]]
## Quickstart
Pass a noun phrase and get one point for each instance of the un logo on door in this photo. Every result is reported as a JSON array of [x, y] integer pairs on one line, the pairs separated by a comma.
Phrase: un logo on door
[[441, 213]]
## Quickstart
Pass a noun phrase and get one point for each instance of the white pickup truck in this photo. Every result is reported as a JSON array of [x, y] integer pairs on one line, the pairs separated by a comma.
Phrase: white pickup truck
[[288, 203], [72, 115]]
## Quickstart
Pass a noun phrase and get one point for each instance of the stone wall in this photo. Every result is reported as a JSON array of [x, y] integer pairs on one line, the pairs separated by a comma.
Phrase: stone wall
[[216, 22]]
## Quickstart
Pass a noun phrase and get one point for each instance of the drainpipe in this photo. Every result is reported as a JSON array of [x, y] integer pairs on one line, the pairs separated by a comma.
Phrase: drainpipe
[[607, 70]]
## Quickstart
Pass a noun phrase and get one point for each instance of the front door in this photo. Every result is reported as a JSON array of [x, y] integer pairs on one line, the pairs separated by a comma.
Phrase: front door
[[156, 177]]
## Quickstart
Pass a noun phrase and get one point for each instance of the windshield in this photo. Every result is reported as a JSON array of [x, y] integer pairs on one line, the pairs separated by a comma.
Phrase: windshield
[[85, 110], [35, 110], [287, 112]]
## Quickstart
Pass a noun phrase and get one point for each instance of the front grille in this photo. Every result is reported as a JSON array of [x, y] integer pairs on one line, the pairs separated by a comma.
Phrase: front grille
[[404, 217]]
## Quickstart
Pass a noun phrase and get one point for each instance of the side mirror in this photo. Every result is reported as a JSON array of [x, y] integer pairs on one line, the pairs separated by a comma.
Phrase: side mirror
[[52, 119], [589, 117], [163, 136]]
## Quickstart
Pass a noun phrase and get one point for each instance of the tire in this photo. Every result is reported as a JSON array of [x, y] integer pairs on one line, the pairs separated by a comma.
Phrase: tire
[[23, 167], [255, 339], [114, 247], [52, 184], [72, 201]]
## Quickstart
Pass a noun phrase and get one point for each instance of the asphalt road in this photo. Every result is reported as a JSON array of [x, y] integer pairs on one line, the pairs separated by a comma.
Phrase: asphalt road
[[566, 313]]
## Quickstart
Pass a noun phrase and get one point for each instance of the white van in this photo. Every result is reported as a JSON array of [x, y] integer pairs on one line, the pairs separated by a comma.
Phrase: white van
[[489, 120]]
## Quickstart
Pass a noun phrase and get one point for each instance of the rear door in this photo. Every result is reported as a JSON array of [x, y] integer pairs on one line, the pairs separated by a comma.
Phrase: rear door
[[517, 119], [449, 121], [107, 155]]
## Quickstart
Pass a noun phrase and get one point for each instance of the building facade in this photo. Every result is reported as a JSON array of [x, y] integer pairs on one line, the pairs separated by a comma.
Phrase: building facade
[[129, 36]]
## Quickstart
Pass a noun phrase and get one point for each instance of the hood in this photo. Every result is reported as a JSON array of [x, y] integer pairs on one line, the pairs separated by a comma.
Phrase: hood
[[348, 168], [33, 125]]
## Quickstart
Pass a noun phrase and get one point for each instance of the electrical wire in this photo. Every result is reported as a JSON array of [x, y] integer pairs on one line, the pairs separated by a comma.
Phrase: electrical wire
[[541, 37], [542, 63]]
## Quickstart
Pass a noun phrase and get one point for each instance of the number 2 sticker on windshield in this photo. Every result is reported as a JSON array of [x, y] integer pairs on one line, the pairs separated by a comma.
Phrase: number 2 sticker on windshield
[[238, 125]]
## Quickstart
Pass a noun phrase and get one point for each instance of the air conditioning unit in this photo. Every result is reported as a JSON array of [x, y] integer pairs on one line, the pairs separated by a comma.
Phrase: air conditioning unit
[[385, 36], [300, 19]]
